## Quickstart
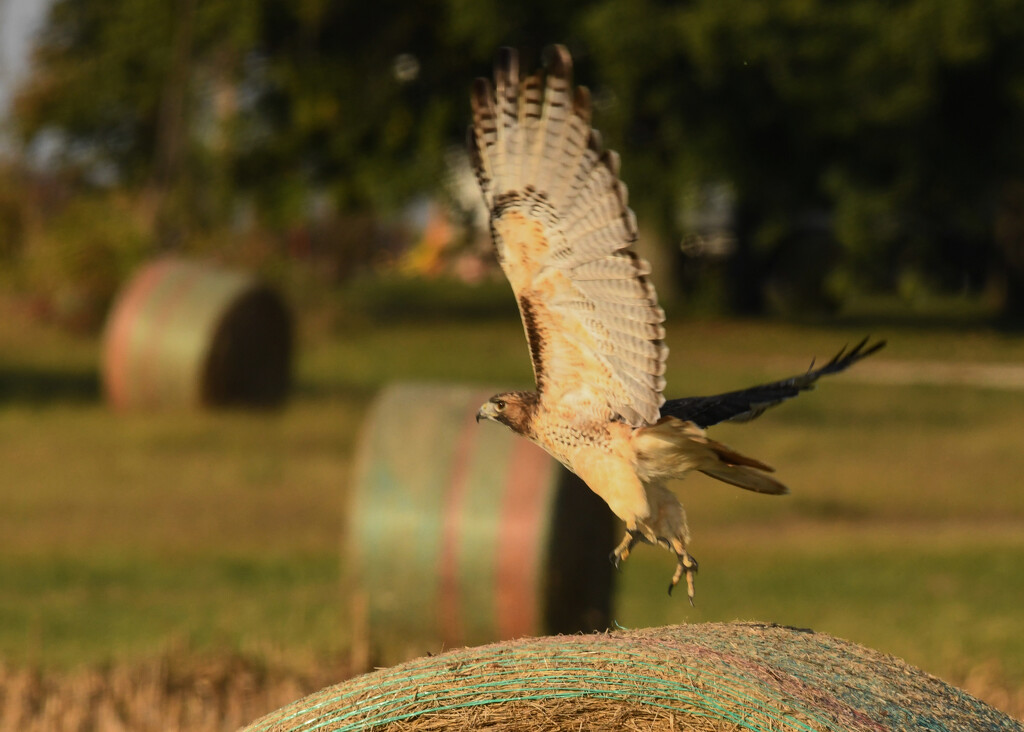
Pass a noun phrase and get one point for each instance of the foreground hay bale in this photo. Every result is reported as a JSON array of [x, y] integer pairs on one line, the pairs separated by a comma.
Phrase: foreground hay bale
[[462, 534], [709, 678], [189, 334]]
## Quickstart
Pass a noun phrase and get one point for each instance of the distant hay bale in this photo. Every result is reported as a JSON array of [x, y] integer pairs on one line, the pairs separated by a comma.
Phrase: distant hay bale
[[189, 334], [461, 533], [709, 678]]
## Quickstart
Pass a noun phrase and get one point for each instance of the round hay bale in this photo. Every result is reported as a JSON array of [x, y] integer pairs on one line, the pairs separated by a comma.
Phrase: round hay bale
[[462, 533], [188, 334], [713, 677]]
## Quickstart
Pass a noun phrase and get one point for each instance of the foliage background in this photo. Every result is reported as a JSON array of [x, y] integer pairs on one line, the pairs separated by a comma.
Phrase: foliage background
[[867, 156], [866, 146]]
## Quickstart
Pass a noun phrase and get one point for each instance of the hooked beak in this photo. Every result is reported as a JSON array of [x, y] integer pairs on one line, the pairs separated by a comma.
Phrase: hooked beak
[[487, 411]]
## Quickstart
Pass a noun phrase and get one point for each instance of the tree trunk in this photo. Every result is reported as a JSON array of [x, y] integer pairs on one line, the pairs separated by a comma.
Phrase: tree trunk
[[172, 129], [1009, 236]]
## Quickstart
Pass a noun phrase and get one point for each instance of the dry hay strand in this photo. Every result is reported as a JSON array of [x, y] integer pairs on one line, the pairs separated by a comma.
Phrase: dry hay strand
[[556, 715], [172, 694], [710, 677]]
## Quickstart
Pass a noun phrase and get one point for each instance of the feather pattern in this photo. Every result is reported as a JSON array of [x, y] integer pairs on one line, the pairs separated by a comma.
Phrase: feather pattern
[[563, 230], [563, 233]]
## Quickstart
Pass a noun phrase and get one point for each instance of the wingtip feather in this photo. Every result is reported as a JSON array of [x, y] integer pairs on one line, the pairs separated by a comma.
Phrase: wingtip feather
[[480, 93], [506, 65], [532, 144], [558, 61], [581, 104]]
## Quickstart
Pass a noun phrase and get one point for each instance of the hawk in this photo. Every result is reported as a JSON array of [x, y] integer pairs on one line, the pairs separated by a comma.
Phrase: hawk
[[563, 232]]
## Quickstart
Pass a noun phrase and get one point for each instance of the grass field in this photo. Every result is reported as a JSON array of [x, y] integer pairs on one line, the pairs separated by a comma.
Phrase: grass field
[[123, 537]]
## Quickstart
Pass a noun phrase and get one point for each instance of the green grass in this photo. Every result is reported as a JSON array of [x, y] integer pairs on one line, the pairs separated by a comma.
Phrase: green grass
[[125, 536], [58, 612], [945, 603]]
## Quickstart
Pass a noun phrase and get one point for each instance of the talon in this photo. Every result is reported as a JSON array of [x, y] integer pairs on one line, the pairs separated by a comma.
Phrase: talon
[[675, 577], [688, 565], [621, 552]]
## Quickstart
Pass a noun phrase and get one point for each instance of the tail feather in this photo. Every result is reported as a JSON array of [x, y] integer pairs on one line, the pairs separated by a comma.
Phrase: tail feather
[[671, 448], [728, 455], [747, 478]]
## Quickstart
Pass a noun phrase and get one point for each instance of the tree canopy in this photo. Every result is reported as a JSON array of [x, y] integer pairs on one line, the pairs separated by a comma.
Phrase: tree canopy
[[870, 137]]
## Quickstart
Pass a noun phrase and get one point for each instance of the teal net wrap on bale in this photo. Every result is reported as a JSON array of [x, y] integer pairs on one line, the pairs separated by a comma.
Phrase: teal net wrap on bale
[[461, 533], [711, 677], [190, 334]]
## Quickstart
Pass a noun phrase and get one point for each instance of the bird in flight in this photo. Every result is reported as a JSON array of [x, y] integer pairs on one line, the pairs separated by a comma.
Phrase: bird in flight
[[563, 232]]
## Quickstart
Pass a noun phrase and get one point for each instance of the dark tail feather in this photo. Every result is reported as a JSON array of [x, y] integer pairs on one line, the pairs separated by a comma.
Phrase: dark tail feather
[[747, 478]]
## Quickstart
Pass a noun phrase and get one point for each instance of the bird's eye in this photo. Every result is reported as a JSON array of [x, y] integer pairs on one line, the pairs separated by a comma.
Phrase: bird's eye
[[500, 404]]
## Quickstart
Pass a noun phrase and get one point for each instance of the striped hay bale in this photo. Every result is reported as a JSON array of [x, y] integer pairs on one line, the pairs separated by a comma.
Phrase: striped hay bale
[[710, 678], [461, 533], [189, 334]]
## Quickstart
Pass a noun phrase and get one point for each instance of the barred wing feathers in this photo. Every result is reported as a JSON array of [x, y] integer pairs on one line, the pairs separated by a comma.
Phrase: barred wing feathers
[[562, 228]]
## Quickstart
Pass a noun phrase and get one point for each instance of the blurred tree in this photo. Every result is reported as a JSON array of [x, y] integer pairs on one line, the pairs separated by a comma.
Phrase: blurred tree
[[365, 99], [358, 100], [940, 90], [879, 136], [896, 121], [121, 94]]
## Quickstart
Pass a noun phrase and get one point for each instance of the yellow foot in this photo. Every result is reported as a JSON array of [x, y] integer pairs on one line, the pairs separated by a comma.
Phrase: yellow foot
[[688, 565], [625, 546]]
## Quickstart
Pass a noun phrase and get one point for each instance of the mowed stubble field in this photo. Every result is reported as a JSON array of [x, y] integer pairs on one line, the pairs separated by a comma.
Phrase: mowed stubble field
[[129, 537]]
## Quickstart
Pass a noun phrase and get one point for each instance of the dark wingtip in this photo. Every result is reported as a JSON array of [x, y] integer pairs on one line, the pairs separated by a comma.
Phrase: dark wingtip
[[858, 352], [849, 356], [837, 358], [874, 348]]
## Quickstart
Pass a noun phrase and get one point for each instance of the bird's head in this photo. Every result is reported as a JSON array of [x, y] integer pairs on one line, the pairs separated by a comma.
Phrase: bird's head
[[514, 409]]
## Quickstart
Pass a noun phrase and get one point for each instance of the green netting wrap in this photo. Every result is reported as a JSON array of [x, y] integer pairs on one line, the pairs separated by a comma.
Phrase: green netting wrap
[[711, 677], [481, 531]]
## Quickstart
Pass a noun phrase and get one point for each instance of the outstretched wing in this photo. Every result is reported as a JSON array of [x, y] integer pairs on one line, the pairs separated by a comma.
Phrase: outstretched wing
[[746, 404], [562, 229]]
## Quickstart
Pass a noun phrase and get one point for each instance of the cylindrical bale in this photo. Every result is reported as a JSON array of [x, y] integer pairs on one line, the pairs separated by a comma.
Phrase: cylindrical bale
[[462, 533], [188, 334], [714, 677]]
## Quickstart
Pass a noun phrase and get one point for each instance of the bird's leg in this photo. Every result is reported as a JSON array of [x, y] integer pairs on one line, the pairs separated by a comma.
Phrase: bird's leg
[[666, 526], [625, 546], [686, 564]]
